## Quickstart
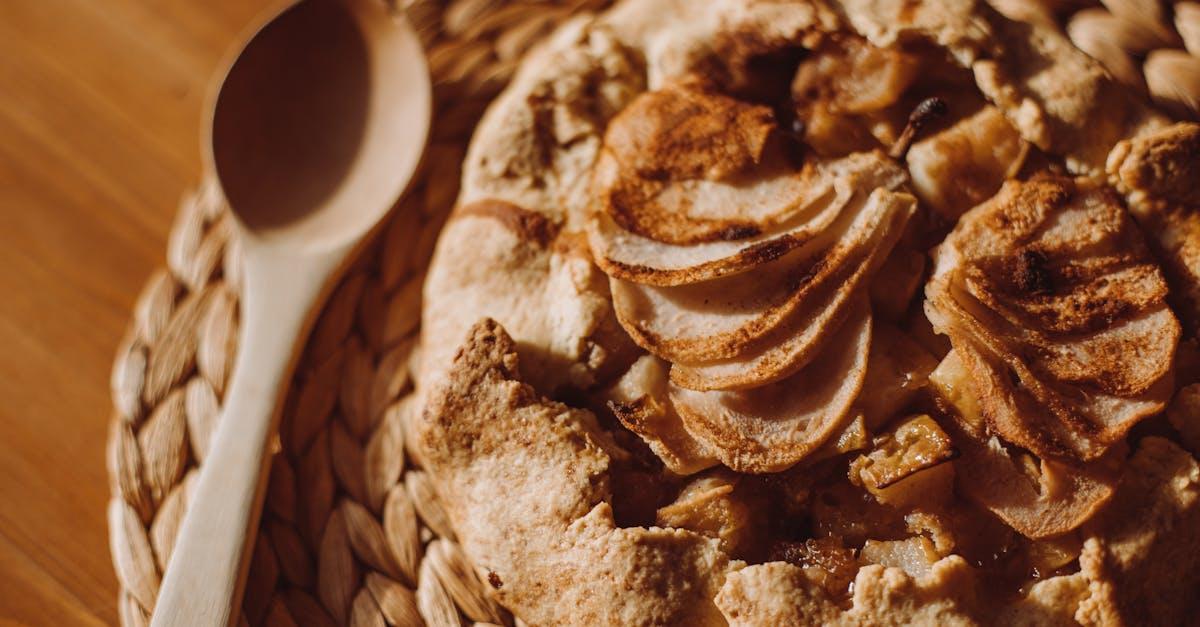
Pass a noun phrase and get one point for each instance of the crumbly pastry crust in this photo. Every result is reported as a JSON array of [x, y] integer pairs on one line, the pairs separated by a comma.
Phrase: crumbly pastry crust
[[521, 267], [550, 548], [530, 485], [586, 234], [1158, 174]]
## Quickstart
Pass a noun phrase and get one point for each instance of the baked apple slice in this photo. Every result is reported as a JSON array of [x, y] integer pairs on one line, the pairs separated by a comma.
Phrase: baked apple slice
[[770, 428], [683, 195], [793, 344], [1059, 313], [723, 318], [1039, 498]]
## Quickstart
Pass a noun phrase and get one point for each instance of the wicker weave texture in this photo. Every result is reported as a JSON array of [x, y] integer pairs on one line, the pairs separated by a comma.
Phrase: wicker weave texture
[[1151, 45], [352, 533]]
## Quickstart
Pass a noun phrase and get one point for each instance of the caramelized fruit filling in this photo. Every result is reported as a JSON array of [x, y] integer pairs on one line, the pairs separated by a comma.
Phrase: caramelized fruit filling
[[742, 251]]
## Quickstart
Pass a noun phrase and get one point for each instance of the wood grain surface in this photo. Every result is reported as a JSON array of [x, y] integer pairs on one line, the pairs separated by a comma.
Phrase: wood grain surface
[[99, 112]]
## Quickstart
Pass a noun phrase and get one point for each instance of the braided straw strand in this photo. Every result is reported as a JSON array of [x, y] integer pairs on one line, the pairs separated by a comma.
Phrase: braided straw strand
[[1150, 45]]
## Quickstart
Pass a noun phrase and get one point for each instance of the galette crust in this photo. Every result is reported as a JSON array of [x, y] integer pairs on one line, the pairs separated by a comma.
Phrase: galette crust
[[526, 481], [500, 260]]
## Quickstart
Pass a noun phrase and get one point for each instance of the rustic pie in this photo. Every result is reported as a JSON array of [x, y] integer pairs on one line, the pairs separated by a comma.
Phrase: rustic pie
[[788, 312]]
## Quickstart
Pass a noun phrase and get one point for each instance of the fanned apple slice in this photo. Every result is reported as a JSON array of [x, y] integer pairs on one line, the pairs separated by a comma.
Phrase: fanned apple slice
[[715, 319], [640, 259], [685, 165], [1038, 498], [1066, 383], [1112, 329], [829, 187], [718, 319], [1050, 418], [1058, 256], [697, 210], [640, 401], [784, 351], [1127, 357], [773, 427], [1086, 296], [790, 345]]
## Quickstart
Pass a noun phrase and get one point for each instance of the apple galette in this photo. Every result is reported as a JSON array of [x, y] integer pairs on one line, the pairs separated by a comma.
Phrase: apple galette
[[789, 312]]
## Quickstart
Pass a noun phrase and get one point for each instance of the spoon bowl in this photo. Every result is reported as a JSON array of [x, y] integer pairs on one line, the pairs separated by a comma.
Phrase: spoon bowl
[[315, 132], [312, 132]]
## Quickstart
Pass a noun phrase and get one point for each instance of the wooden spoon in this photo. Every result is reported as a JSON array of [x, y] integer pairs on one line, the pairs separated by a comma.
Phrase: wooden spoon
[[315, 133]]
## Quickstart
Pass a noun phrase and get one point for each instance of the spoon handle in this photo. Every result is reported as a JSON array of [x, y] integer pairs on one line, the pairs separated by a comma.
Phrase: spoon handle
[[207, 568]]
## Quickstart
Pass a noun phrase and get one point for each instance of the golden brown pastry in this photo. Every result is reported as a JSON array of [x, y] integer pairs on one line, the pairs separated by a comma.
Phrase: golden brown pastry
[[1158, 174], [820, 312]]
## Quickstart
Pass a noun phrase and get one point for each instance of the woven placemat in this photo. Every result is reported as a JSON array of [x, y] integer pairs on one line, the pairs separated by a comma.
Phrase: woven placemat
[[352, 532], [1153, 46]]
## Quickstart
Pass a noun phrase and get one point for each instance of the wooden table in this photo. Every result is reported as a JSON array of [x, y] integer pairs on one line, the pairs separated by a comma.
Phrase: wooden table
[[99, 113]]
